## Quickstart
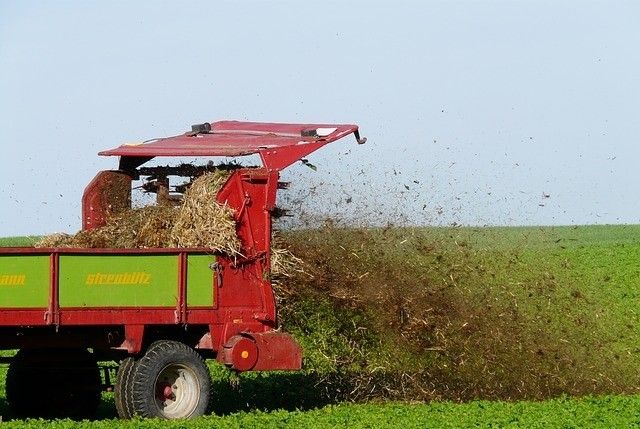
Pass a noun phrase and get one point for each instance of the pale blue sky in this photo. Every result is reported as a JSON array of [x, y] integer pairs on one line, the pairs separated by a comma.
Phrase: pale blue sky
[[488, 105]]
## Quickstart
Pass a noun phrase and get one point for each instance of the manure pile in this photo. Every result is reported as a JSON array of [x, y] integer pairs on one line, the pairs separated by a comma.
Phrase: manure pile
[[199, 221]]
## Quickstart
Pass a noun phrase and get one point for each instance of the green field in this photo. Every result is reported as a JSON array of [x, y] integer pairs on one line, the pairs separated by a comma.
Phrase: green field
[[465, 315], [601, 412], [18, 241]]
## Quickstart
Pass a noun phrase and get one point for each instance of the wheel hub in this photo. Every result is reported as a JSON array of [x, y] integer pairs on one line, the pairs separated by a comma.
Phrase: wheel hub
[[165, 391], [177, 391]]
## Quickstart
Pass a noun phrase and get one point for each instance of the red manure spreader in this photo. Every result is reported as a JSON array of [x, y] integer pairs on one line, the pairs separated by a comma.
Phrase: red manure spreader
[[158, 312]]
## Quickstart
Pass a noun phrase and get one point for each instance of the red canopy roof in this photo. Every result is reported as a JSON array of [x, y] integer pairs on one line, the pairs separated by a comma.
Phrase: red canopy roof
[[279, 145]]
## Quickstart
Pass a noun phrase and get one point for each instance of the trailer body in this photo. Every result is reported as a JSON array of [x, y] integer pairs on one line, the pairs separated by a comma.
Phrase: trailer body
[[124, 302]]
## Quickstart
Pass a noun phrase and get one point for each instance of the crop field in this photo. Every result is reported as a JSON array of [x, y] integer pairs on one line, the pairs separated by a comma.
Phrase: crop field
[[17, 241], [445, 327], [602, 412]]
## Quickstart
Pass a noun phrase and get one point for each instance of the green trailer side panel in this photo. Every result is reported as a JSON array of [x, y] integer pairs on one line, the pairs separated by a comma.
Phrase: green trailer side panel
[[24, 281], [118, 281], [200, 280]]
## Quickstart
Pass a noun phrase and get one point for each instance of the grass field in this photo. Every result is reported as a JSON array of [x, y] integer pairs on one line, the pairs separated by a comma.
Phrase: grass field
[[17, 241], [451, 314]]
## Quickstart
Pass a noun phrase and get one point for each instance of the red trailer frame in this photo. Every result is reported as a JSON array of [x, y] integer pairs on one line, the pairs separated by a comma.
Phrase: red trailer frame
[[243, 320]]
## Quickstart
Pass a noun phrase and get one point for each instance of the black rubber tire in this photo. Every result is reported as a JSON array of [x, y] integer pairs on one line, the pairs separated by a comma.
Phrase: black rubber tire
[[166, 357], [53, 383], [123, 392]]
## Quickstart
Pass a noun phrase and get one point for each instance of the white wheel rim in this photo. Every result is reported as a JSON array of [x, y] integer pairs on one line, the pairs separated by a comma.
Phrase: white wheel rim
[[177, 391]]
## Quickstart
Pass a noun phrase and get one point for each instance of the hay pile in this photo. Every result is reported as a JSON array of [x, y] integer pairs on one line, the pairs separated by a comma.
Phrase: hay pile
[[134, 228], [284, 265], [200, 221]]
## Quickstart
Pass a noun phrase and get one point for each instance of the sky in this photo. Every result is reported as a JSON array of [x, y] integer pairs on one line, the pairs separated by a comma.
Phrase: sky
[[476, 112]]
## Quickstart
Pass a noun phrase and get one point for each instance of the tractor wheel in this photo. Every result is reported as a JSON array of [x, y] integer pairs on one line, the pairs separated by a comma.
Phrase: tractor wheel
[[122, 393], [54, 383], [170, 381]]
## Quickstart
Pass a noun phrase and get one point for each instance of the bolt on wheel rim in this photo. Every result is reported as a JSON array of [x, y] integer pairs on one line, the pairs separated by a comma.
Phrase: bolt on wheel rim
[[177, 391]]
